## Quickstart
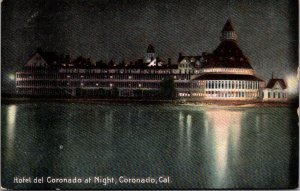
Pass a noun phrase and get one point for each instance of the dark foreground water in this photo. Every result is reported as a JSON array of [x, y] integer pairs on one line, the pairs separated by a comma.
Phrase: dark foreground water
[[195, 147]]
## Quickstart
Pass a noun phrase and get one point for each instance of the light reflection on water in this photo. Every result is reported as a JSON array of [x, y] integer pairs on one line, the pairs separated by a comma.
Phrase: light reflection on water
[[226, 126], [197, 147], [11, 125]]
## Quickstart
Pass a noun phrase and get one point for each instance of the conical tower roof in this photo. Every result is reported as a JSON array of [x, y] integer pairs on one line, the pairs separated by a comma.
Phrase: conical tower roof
[[150, 49], [228, 54], [228, 26]]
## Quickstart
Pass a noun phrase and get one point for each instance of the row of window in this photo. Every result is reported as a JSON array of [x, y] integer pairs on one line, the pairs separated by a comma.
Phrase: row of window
[[71, 71], [187, 65], [226, 84], [230, 94], [228, 70], [42, 91], [275, 95], [102, 76], [134, 84]]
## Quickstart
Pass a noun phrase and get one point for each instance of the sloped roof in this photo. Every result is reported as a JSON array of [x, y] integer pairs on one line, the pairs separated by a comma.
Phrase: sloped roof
[[189, 58], [227, 55], [49, 57], [228, 77], [228, 26], [150, 49], [272, 82]]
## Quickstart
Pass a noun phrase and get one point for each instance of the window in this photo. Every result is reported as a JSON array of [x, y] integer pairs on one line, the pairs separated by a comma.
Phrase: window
[[269, 94], [274, 95]]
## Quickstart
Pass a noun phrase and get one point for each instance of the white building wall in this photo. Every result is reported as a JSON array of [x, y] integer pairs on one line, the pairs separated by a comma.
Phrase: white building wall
[[274, 95]]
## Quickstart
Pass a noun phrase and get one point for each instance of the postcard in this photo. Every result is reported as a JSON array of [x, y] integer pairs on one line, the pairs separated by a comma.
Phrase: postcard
[[149, 94]]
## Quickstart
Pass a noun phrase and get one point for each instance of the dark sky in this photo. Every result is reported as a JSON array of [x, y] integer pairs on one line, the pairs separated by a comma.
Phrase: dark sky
[[121, 29]]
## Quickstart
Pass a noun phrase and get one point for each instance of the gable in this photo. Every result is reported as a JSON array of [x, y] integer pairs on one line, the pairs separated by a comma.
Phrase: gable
[[36, 61], [277, 86], [184, 61]]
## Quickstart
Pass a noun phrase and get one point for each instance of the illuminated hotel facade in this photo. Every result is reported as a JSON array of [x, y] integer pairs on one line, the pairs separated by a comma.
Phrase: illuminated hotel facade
[[224, 74]]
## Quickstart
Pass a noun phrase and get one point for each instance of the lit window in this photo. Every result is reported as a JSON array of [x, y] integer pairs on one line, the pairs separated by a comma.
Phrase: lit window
[[97, 84], [82, 76], [129, 77], [111, 77], [110, 84], [68, 76], [140, 85], [82, 84]]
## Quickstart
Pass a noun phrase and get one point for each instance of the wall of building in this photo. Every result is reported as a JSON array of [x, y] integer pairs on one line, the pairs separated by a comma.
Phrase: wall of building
[[274, 95]]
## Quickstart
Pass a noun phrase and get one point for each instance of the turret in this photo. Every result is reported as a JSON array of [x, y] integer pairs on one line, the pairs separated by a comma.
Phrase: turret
[[150, 55], [228, 32]]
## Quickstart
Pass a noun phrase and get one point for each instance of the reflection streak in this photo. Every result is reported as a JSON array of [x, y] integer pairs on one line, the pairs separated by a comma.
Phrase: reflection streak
[[226, 126], [11, 125]]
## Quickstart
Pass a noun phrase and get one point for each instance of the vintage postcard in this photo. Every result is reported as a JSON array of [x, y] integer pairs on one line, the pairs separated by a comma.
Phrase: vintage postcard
[[149, 94]]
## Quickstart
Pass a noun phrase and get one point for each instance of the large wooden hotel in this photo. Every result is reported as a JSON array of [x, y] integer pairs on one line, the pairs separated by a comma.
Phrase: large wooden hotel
[[226, 73]]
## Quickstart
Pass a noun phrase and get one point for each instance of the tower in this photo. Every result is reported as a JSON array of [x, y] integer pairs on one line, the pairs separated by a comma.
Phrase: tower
[[228, 32], [150, 54]]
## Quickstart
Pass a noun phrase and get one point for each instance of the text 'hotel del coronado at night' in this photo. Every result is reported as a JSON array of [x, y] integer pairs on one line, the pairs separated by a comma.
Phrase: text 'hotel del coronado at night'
[[224, 74]]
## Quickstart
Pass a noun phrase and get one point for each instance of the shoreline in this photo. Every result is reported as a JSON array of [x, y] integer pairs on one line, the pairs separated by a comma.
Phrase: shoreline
[[204, 103]]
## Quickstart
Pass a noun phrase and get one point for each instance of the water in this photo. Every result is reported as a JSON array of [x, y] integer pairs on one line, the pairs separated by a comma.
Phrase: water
[[196, 147]]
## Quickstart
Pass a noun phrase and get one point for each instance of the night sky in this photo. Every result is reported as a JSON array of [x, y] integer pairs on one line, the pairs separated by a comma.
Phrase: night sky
[[103, 30]]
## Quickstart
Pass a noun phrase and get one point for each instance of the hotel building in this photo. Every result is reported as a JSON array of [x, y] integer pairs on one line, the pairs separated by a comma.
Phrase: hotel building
[[224, 74]]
